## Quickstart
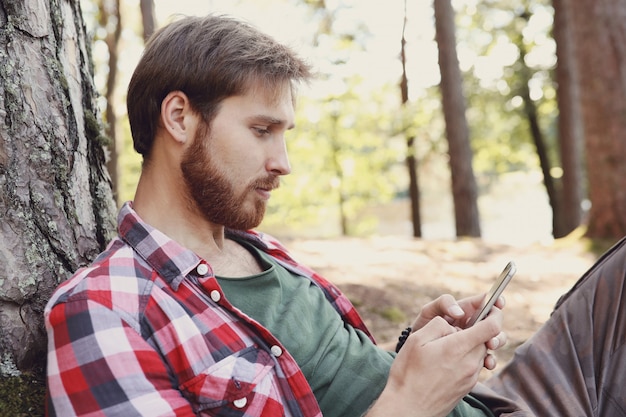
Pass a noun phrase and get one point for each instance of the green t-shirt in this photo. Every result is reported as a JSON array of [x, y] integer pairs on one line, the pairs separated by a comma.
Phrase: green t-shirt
[[345, 370]]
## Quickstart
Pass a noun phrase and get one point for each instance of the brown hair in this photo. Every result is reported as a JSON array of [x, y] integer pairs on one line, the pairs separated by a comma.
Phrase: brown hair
[[209, 59]]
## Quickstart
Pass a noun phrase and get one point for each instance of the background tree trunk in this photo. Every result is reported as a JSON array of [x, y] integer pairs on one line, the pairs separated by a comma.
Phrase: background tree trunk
[[532, 115], [570, 127], [148, 18], [111, 22], [411, 157], [464, 189], [56, 205], [599, 30]]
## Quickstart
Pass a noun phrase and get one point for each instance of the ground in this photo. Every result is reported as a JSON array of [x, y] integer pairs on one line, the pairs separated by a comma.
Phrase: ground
[[390, 278]]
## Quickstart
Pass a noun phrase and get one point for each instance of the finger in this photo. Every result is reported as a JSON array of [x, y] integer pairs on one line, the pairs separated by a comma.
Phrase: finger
[[498, 341], [433, 330], [500, 302], [451, 307], [485, 330], [444, 305], [473, 302], [490, 362]]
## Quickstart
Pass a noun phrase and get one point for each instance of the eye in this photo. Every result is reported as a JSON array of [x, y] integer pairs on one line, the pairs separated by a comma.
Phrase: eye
[[261, 131]]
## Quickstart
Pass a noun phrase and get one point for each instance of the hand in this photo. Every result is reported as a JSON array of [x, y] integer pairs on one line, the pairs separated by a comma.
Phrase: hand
[[470, 305], [446, 307], [438, 364], [457, 313]]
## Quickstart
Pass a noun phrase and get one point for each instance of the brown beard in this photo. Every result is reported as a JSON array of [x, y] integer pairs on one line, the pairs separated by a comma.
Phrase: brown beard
[[212, 193]]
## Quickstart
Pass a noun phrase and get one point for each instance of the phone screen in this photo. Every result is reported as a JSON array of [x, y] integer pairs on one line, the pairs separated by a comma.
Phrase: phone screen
[[492, 296]]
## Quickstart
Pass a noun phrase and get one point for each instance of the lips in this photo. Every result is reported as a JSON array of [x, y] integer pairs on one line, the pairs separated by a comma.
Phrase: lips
[[264, 188], [267, 185]]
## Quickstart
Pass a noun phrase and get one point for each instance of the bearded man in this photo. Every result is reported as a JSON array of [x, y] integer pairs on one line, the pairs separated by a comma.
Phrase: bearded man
[[190, 312]]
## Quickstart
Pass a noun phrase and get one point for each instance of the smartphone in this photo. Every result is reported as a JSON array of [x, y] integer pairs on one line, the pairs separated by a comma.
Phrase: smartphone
[[492, 296]]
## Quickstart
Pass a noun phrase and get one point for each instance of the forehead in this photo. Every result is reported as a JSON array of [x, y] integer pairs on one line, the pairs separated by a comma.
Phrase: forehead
[[270, 93], [261, 103]]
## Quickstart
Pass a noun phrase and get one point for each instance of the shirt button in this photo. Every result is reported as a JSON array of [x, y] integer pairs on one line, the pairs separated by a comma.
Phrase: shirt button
[[276, 350], [216, 296], [240, 403], [202, 269]]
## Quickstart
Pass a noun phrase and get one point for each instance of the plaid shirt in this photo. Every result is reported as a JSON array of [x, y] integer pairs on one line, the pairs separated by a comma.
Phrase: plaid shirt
[[147, 331]]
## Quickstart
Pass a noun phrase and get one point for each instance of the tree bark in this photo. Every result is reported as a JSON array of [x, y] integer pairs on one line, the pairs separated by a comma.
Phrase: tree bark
[[464, 189], [111, 22], [56, 205], [148, 18], [570, 128], [599, 30]]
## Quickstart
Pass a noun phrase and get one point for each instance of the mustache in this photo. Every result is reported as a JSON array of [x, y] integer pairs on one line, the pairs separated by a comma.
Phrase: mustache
[[269, 183]]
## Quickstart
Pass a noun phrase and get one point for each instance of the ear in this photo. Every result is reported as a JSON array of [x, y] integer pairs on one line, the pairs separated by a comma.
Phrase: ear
[[176, 116]]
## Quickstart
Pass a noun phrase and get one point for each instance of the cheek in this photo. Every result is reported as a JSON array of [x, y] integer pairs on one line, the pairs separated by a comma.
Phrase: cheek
[[242, 160], [236, 150]]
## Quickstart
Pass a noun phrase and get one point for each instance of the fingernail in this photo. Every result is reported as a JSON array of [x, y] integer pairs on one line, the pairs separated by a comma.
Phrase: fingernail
[[456, 310], [495, 342]]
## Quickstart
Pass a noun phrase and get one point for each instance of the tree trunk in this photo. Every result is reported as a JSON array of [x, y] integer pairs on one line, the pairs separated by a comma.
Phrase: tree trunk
[[111, 22], [411, 158], [569, 125], [464, 189], [147, 18], [56, 205], [335, 145], [530, 111], [599, 30]]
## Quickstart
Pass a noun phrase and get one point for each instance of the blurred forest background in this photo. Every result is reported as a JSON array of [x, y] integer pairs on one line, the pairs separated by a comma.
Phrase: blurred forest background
[[440, 139], [369, 113], [436, 119]]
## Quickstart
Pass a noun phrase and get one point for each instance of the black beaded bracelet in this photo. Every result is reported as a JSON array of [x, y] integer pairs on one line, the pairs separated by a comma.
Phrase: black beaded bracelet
[[405, 334]]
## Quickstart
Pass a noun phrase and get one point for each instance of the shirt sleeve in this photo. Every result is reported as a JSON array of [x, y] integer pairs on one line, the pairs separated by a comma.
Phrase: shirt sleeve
[[98, 364]]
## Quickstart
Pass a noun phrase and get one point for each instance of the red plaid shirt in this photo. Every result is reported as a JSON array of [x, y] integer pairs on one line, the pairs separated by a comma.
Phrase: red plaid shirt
[[147, 331]]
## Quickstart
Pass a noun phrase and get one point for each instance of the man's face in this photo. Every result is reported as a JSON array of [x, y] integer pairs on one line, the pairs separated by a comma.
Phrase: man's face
[[230, 169]]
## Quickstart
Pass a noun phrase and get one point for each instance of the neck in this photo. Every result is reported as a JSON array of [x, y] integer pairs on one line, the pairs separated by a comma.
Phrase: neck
[[161, 201]]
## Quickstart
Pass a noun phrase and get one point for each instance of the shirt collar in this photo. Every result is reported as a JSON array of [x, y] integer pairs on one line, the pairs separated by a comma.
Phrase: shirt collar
[[169, 259]]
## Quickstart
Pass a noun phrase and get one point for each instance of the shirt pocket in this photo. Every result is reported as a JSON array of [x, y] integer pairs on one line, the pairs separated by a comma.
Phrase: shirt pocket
[[242, 381]]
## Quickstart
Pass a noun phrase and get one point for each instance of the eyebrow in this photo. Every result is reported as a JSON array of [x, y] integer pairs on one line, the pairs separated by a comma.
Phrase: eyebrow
[[270, 120]]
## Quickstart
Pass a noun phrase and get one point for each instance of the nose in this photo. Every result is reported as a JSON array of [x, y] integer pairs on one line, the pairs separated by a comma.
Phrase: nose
[[278, 161]]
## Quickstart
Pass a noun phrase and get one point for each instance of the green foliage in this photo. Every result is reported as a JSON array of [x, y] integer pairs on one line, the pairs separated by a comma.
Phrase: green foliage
[[340, 147], [500, 132]]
